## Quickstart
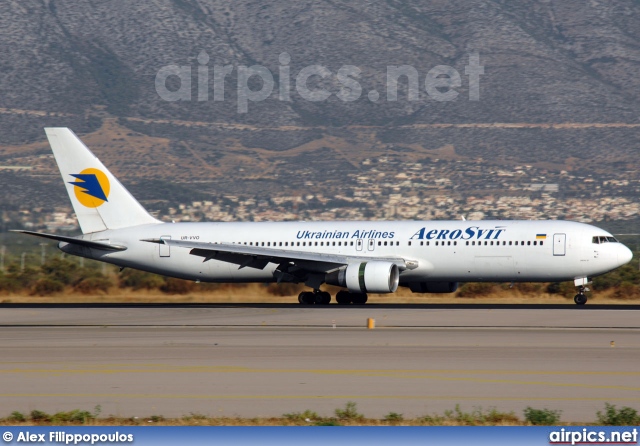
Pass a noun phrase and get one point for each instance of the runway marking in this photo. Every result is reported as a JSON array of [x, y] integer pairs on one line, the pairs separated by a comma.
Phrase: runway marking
[[164, 368], [434, 375], [317, 397]]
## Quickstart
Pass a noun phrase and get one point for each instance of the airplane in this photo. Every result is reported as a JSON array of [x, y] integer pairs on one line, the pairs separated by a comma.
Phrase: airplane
[[361, 257]]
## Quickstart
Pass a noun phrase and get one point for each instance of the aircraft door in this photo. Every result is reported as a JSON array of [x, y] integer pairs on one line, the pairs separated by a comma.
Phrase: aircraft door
[[359, 244], [559, 244], [372, 244], [164, 250]]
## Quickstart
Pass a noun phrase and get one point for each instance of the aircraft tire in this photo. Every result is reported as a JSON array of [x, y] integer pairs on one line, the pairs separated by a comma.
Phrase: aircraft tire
[[359, 299], [306, 298], [580, 299], [323, 298], [343, 297]]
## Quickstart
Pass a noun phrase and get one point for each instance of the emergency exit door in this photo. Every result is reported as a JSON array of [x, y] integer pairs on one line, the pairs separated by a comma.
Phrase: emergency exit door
[[559, 244]]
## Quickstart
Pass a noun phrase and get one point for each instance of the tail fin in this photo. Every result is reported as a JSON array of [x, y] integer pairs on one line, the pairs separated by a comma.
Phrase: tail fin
[[98, 198]]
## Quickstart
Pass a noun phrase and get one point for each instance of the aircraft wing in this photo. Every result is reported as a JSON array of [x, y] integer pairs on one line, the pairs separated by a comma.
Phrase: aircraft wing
[[259, 257]]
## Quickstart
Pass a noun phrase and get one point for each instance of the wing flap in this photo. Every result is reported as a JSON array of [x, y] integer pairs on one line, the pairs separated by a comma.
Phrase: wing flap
[[259, 257]]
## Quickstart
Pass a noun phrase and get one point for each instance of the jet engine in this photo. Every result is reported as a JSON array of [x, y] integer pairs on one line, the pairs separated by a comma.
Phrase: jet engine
[[367, 277]]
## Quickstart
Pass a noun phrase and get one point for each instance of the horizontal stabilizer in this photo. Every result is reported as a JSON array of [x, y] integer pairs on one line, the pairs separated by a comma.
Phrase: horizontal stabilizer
[[75, 241]]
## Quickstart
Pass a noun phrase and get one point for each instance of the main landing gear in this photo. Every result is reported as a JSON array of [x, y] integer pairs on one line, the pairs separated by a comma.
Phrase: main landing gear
[[346, 298], [581, 298], [318, 297]]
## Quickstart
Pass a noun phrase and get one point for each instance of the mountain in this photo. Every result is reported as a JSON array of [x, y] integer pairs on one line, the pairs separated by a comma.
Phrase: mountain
[[78, 63]]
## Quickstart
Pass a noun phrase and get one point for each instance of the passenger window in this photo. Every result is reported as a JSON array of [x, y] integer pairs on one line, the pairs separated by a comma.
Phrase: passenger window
[[529, 243], [448, 243], [467, 243], [409, 244], [436, 243], [510, 242], [379, 243], [535, 243], [351, 243], [541, 242], [385, 243], [473, 243]]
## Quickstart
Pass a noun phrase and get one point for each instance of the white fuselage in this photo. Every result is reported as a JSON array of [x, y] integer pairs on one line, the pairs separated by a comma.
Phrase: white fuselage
[[457, 251]]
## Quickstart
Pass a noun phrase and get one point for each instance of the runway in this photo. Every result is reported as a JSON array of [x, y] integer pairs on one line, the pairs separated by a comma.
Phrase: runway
[[267, 360]]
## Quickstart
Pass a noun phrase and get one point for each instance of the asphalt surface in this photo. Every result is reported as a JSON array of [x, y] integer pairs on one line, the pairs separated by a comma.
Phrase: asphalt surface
[[267, 360]]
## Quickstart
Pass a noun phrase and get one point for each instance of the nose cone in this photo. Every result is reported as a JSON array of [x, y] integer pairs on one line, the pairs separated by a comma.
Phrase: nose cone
[[624, 255]]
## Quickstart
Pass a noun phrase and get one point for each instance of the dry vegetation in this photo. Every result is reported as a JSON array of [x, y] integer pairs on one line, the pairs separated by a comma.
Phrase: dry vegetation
[[343, 416], [259, 293], [65, 280]]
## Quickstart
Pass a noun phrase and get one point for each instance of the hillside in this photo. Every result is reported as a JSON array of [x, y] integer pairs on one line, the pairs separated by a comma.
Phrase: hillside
[[559, 88]]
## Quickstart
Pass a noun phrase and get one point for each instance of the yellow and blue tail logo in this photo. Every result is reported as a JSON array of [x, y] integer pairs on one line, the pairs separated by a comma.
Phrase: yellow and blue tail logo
[[91, 188]]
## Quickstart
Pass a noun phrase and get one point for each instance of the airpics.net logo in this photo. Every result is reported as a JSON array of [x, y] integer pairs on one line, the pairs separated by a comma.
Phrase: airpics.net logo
[[440, 83], [590, 436]]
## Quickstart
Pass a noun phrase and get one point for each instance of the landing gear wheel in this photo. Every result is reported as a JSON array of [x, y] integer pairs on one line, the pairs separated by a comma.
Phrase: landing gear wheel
[[322, 298], [343, 298], [306, 298], [581, 298], [359, 299]]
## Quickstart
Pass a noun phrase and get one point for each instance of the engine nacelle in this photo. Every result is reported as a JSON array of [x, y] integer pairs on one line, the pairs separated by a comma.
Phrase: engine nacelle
[[433, 287], [367, 277]]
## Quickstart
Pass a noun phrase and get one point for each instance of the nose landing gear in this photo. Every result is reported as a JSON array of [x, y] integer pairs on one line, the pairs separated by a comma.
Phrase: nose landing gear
[[581, 298]]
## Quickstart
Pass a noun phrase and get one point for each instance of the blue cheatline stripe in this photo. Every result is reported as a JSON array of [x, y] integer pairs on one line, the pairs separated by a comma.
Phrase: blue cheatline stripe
[[363, 286]]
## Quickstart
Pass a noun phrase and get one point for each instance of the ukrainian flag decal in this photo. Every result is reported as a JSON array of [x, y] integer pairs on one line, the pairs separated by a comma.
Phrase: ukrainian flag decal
[[541, 236]]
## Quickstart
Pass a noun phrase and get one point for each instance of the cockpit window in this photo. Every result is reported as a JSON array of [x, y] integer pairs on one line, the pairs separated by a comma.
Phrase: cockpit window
[[598, 239]]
